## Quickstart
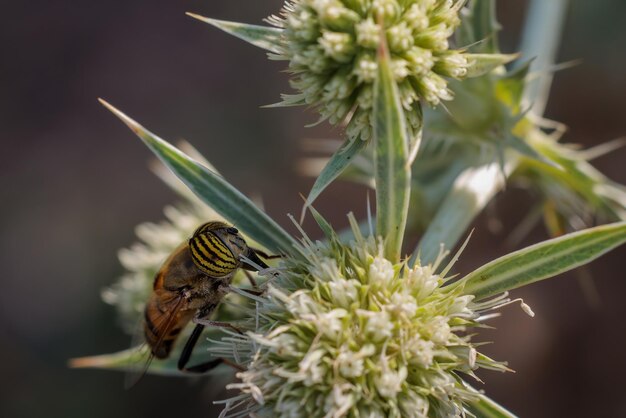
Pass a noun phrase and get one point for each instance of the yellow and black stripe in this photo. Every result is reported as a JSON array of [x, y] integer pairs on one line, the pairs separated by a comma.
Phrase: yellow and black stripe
[[211, 255], [209, 227]]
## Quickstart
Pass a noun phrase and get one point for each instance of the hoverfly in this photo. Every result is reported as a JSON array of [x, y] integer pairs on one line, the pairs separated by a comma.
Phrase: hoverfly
[[190, 285]]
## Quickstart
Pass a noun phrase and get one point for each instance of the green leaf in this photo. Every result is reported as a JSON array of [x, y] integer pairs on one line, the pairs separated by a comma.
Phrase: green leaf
[[131, 359], [540, 40], [348, 234], [479, 28], [337, 163], [543, 260], [326, 227], [134, 358], [480, 64], [486, 26], [510, 88], [392, 168], [471, 191], [264, 37], [527, 150], [485, 407], [215, 191]]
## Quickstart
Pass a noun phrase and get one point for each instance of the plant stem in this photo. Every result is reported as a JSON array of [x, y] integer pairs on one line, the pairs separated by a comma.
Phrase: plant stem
[[540, 40]]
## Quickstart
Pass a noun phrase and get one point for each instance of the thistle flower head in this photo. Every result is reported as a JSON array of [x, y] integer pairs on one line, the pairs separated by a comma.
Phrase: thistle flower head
[[348, 333], [331, 48]]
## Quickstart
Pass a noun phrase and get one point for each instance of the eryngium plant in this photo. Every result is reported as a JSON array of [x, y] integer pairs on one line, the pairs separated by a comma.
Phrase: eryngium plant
[[356, 327], [352, 330]]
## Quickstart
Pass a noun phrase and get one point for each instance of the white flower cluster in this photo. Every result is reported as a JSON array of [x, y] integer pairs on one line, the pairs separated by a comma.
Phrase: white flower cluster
[[331, 48], [346, 333]]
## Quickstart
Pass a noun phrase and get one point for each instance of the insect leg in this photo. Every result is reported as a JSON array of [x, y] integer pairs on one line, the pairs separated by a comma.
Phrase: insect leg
[[202, 367], [209, 323], [265, 255], [253, 292], [257, 264], [251, 279]]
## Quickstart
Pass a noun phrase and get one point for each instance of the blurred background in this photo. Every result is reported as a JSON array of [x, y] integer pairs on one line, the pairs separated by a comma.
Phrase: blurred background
[[74, 183]]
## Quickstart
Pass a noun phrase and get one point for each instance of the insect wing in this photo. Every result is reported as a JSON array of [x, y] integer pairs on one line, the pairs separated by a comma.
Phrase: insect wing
[[161, 327]]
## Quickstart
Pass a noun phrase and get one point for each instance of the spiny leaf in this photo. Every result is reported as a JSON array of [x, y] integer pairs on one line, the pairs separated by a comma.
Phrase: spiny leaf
[[215, 191], [337, 163], [510, 88], [264, 37], [133, 359], [603, 149], [392, 169], [527, 150], [486, 26], [544, 260], [127, 360], [479, 27], [484, 407], [326, 227]]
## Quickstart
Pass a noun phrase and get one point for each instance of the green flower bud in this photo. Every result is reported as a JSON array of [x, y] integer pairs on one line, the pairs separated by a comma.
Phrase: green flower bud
[[368, 34], [453, 64], [337, 45], [400, 37]]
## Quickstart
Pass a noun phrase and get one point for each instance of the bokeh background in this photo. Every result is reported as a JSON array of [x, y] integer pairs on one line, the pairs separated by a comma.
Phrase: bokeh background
[[74, 182]]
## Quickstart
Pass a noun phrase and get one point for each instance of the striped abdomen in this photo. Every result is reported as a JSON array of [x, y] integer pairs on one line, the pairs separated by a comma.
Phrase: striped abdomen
[[211, 255]]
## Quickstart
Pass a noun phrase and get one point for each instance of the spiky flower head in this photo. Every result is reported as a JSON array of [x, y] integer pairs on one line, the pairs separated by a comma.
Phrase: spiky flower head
[[331, 47], [348, 333]]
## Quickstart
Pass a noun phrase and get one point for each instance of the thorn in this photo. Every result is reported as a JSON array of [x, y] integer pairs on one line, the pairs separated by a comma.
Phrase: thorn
[[134, 126], [369, 215], [304, 208], [87, 362], [196, 16], [603, 149]]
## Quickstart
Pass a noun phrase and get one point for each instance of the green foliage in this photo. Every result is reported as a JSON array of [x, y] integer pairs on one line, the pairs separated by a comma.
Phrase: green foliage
[[392, 165], [134, 359], [479, 28], [542, 261], [260, 36], [216, 192], [356, 310], [335, 166], [487, 408]]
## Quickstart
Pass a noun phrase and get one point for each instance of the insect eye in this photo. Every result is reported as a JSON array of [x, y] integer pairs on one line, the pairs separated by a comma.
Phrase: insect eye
[[232, 230]]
